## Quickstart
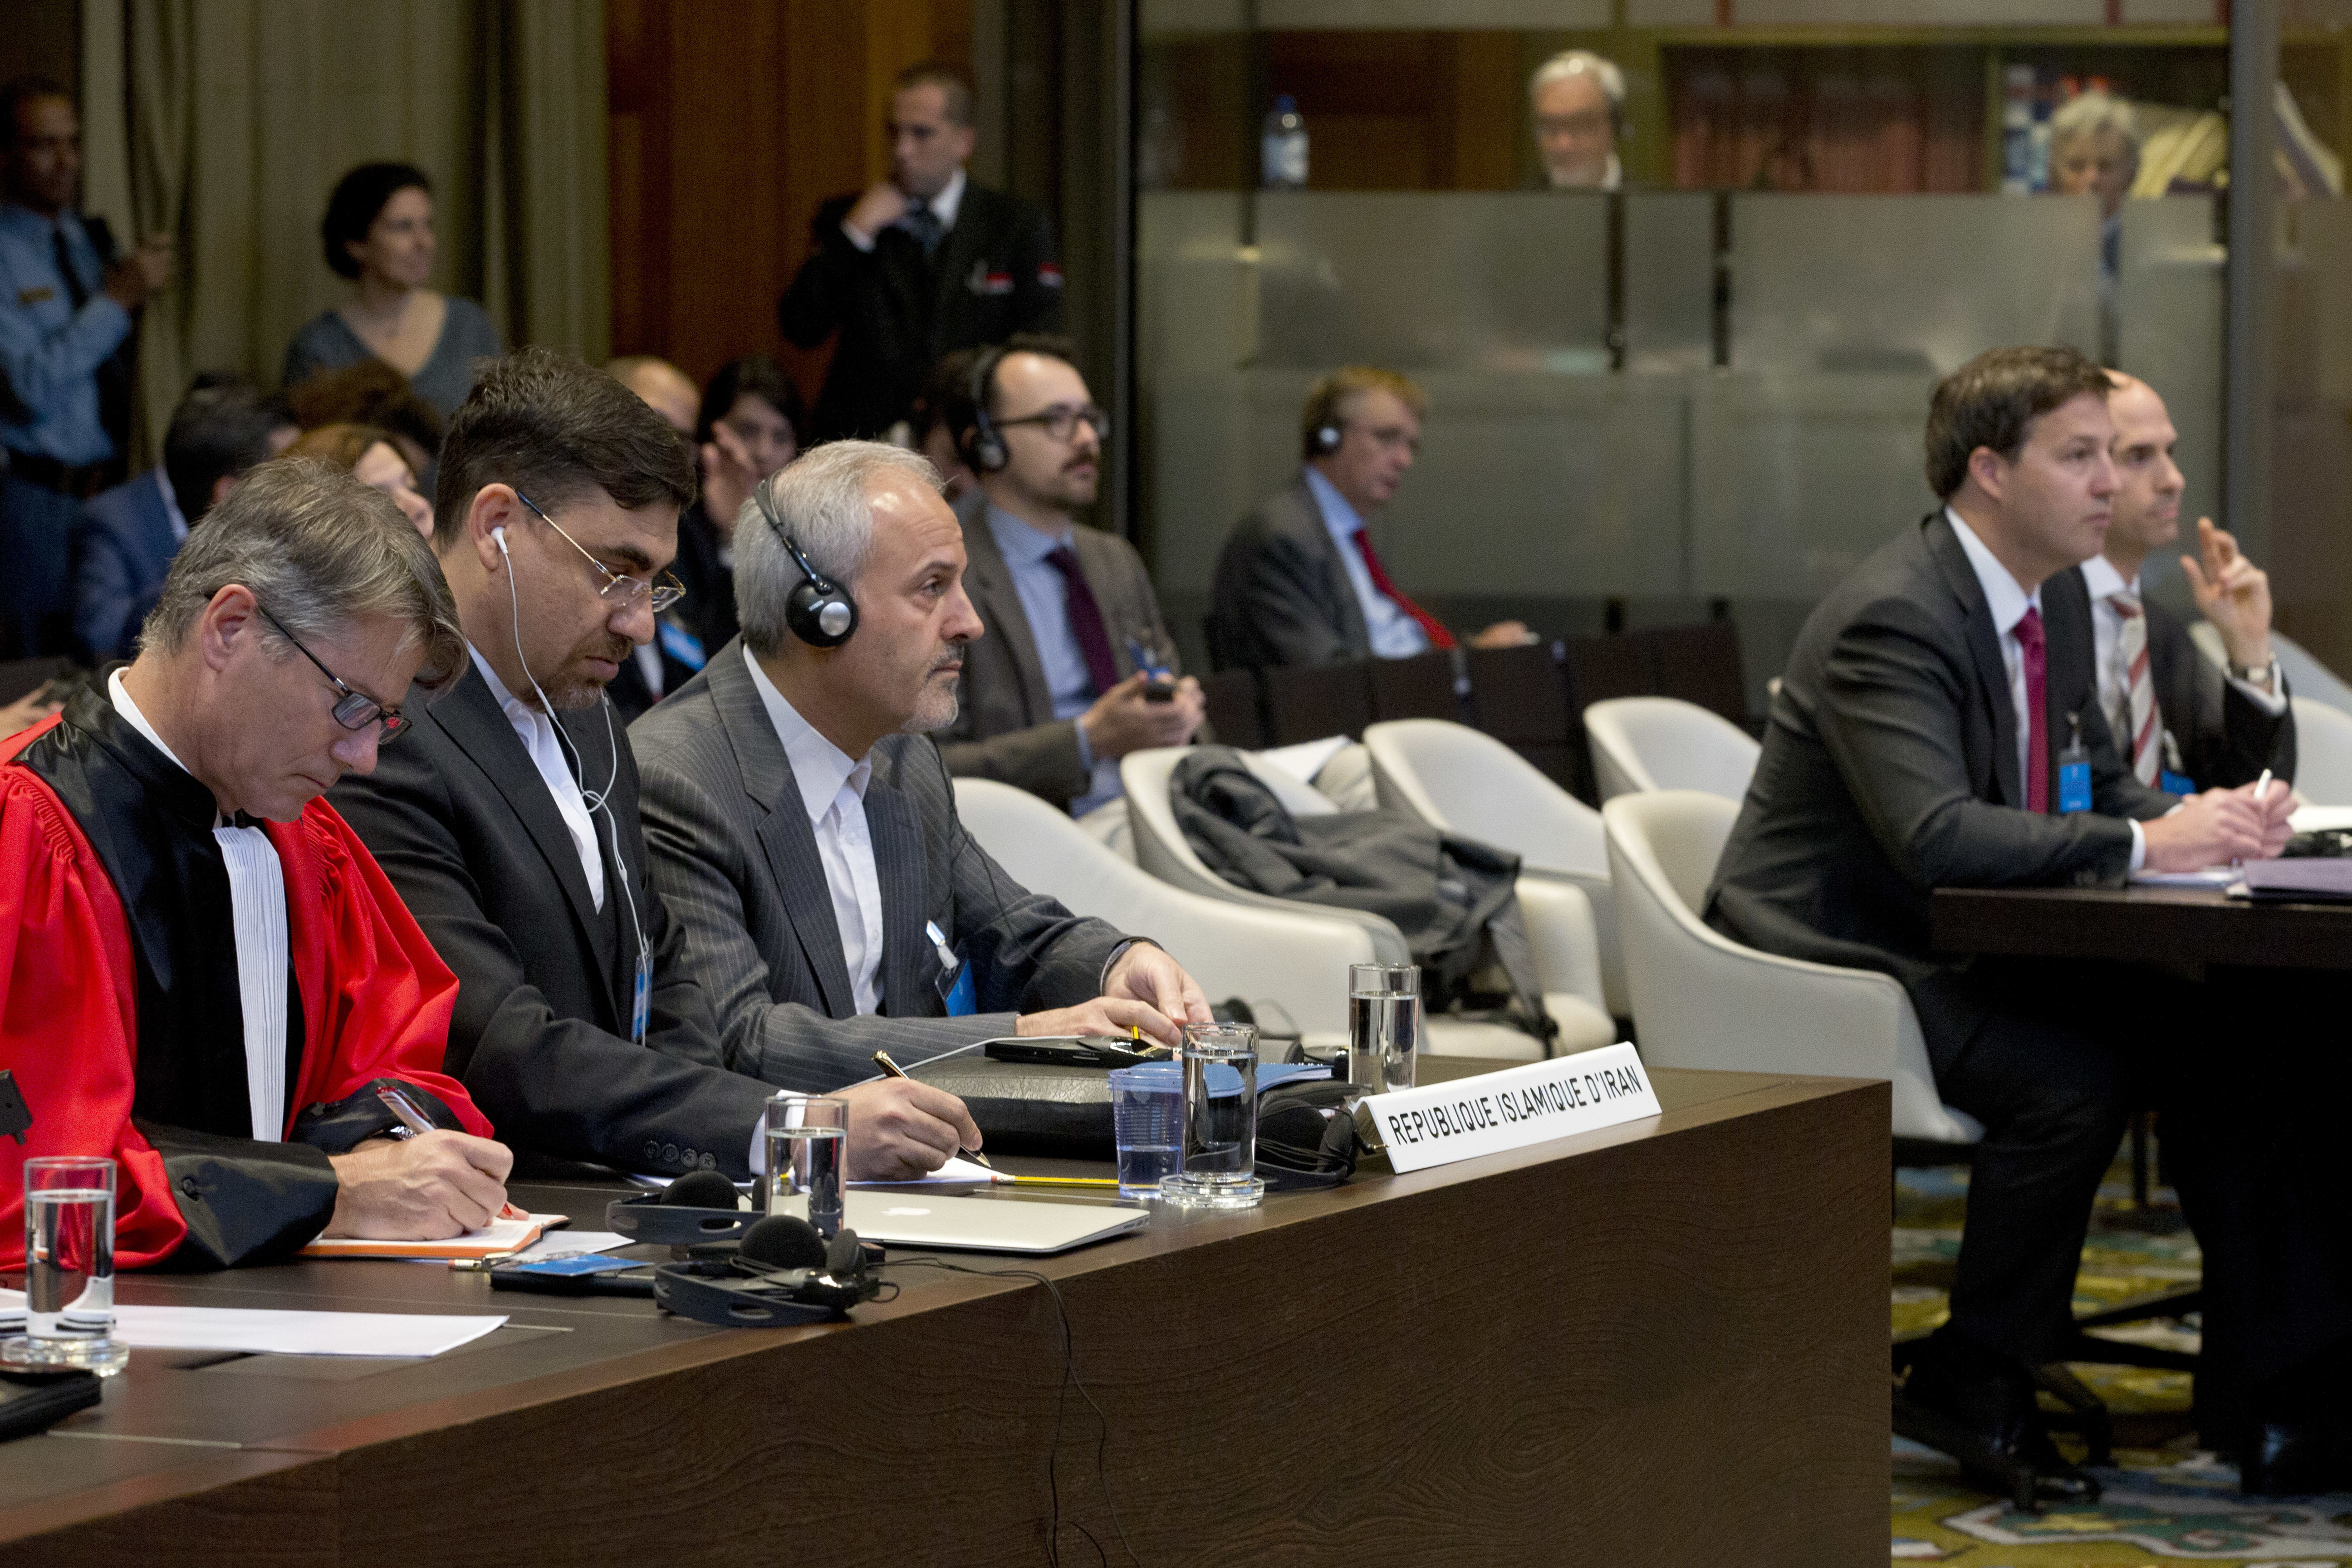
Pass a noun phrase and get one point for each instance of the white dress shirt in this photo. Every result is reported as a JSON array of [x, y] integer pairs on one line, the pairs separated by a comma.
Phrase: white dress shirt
[[832, 790], [536, 733], [1394, 634], [257, 901], [944, 206], [2009, 601], [2099, 574]]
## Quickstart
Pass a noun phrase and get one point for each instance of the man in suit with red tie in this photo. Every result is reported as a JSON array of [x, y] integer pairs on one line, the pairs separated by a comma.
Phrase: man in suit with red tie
[[2179, 722], [1298, 581], [1938, 725]]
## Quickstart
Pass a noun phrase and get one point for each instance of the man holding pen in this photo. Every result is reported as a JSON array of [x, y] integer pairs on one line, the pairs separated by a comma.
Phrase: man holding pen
[[801, 825]]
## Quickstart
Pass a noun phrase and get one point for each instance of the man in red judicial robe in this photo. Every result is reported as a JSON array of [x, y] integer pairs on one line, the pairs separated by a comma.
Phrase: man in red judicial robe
[[203, 974]]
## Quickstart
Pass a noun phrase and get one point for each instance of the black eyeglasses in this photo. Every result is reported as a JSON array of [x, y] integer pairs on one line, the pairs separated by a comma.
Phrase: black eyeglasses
[[620, 590], [354, 710], [1061, 421]]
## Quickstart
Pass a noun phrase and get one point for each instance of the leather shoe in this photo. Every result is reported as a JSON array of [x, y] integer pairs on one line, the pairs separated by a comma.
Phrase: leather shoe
[[1980, 1408]]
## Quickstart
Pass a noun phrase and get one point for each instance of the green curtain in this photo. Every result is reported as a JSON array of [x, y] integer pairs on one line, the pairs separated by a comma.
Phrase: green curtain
[[226, 122]]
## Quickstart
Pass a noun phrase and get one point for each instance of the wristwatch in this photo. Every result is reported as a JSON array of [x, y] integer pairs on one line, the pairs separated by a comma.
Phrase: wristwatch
[[2253, 674]]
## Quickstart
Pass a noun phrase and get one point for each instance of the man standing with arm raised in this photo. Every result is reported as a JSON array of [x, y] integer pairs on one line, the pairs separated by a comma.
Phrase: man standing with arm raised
[[510, 825]]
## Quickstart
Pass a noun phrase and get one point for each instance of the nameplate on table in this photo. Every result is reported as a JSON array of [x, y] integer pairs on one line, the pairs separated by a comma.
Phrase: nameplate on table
[[1442, 1122]]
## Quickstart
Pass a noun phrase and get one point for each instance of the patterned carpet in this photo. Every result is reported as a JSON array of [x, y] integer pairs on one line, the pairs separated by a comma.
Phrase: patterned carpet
[[2167, 1499]]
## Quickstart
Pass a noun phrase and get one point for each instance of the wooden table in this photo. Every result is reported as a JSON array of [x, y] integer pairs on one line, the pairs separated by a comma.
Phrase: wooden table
[[1660, 1343], [2141, 924]]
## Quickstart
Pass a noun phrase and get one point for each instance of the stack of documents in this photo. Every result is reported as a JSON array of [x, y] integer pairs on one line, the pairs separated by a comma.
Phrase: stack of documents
[[280, 1333]]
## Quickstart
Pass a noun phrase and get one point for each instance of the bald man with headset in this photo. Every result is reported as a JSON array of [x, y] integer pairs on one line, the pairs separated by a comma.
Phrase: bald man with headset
[[804, 830]]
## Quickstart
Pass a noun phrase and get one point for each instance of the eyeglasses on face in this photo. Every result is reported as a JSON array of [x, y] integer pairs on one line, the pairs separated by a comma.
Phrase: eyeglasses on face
[[354, 710], [618, 590], [1061, 421]]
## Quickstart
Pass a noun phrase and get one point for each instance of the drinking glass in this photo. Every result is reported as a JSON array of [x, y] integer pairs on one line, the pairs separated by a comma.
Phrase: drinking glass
[[1219, 1152], [1146, 1113], [808, 1158], [69, 1269], [1384, 1026]]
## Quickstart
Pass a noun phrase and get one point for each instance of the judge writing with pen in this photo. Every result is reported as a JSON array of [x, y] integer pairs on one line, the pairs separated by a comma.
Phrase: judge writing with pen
[[802, 828]]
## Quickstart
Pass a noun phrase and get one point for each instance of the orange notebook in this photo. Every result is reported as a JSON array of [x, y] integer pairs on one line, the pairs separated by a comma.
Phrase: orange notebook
[[511, 1232]]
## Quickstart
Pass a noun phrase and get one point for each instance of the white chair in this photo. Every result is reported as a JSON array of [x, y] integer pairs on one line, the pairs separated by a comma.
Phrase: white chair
[[1558, 920], [2323, 752], [1284, 956], [1701, 1000], [2306, 676], [1642, 744], [1466, 782]]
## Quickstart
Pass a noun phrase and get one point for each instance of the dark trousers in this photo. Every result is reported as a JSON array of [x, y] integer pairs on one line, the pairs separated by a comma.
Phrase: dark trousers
[[37, 527], [2065, 1054]]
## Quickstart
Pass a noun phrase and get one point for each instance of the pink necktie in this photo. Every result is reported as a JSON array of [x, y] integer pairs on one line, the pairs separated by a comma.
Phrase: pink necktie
[[2037, 687], [2139, 730], [1429, 625]]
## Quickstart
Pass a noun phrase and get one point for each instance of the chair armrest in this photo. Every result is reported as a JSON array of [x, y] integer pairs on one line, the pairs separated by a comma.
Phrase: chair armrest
[[1560, 929]]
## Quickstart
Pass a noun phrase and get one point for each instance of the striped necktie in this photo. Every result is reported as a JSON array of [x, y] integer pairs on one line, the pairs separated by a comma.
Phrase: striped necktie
[[2137, 730]]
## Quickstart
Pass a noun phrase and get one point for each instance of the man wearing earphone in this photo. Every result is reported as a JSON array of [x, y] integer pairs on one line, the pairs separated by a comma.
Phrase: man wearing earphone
[[509, 826], [804, 828], [1078, 668], [1298, 581]]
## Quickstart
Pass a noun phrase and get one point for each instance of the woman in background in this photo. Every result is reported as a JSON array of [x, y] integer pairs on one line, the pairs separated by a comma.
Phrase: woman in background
[[378, 232], [372, 456]]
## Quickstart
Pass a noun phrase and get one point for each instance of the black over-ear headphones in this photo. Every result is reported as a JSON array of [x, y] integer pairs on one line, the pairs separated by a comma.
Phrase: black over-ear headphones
[[982, 446], [1328, 439], [783, 1273], [819, 611]]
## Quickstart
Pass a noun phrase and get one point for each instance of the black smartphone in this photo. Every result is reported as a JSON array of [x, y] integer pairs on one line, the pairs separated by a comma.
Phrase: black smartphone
[[33, 1402], [1073, 1051], [1159, 691]]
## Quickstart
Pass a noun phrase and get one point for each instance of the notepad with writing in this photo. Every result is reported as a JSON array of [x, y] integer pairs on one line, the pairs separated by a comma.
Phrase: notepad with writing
[[504, 1234]]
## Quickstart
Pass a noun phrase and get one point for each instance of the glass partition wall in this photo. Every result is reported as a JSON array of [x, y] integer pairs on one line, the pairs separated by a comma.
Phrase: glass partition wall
[[1689, 397]]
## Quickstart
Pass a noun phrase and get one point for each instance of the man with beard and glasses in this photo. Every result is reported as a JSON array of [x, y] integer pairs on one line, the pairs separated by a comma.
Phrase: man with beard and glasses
[[1078, 669], [804, 828], [509, 824]]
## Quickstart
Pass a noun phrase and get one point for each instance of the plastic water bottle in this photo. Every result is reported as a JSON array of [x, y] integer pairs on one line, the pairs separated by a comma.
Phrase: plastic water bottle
[[1283, 151]]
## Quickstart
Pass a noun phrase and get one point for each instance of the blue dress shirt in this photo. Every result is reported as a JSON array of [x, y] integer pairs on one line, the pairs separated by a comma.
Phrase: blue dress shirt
[[49, 351], [1394, 634], [1045, 598]]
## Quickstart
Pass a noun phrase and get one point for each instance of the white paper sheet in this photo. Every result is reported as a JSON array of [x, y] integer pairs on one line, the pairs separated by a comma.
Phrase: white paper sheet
[[957, 1169], [287, 1333], [2211, 877], [556, 1242]]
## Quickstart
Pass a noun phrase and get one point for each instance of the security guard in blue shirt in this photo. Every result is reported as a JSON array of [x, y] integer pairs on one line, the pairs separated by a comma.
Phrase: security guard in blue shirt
[[65, 319]]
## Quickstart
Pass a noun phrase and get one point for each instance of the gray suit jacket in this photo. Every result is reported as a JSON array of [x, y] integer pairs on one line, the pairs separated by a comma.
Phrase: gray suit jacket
[[1282, 593], [1006, 730], [735, 860], [1890, 768]]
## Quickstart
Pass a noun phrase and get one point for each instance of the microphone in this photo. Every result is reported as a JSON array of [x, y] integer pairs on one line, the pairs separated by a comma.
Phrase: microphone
[[702, 1190]]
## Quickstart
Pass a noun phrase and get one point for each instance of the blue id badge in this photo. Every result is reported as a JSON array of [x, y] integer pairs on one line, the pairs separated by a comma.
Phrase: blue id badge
[[955, 975], [681, 644], [2073, 786], [2171, 782], [641, 1007]]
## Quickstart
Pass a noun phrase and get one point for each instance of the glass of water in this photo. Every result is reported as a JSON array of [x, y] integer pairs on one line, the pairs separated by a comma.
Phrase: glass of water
[[1219, 1152], [1383, 1025], [1146, 1116], [808, 1158], [69, 1269]]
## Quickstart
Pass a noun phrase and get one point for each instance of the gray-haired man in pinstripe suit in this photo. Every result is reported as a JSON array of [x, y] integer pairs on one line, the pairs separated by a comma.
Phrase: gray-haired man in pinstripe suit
[[803, 828]]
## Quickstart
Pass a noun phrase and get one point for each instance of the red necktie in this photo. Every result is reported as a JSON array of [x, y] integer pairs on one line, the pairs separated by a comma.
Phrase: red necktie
[[1085, 619], [2037, 687], [1435, 629]]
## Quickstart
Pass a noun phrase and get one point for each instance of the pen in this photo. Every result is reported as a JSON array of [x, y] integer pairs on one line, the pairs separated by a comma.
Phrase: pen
[[882, 1059], [2262, 787], [414, 1122]]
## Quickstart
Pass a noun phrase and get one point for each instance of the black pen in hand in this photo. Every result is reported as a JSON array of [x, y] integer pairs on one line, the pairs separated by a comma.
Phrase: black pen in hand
[[882, 1059]]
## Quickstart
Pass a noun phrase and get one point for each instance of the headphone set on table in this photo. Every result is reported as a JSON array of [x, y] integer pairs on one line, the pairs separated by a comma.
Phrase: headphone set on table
[[744, 1270]]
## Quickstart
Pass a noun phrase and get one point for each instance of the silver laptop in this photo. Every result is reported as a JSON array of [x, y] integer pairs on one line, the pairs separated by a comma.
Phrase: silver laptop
[[912, 1218]]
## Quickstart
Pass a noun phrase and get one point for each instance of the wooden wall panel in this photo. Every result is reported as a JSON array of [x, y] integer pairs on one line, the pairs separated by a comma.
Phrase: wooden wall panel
[[731, 124]]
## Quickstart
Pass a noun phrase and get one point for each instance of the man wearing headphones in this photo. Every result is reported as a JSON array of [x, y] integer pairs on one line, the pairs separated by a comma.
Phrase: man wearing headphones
[[508, 822], [1078, 668], [1577, 101], [803, 829], [1298, 581]]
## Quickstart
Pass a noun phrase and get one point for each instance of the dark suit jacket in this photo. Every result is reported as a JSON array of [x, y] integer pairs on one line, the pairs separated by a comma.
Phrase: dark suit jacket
[[1282, 593], [1006, 729], [735, 859], [994, 274], [123, 547], [1890, 768], [2225, 738], [465, 827]]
